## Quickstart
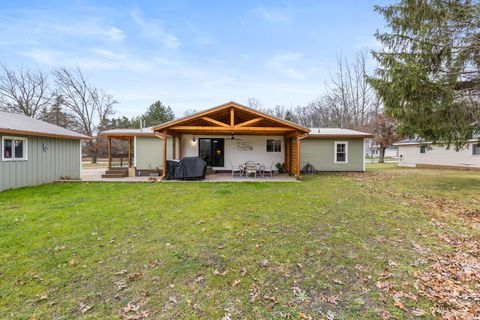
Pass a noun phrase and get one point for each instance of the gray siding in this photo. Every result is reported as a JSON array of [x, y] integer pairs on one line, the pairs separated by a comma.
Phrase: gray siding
[[149, 152], [61, 159], [320, 153]]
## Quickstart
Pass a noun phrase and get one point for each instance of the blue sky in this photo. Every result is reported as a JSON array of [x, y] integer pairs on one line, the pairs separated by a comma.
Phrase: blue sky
[[191, 54]]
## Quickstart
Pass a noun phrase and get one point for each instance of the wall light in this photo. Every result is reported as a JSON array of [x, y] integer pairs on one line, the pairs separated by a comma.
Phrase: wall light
[[194, 139]]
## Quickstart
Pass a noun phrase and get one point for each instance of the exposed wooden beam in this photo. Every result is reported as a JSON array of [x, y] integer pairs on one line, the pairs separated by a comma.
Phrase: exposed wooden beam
[[231, 130], [230, 106], [216, 122], [249, 122]]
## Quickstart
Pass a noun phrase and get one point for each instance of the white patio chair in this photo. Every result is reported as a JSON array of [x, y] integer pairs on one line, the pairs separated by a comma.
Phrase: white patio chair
[[250, 168], [236, 169], [269, 170]]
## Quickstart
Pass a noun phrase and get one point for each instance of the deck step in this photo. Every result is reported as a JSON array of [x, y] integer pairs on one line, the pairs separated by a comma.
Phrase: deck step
[[116, 171], [115, 175]]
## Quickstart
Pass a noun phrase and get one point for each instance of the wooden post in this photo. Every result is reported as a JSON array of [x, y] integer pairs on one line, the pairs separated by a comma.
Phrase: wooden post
[[129, 152], [164, 169], [174, 147], [109, 153], [180, 148], [299, 139], [232, 117], [287, 154]]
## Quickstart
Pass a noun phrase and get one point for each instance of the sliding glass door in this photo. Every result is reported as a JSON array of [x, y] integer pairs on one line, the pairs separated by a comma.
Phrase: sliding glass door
[[211, 150]]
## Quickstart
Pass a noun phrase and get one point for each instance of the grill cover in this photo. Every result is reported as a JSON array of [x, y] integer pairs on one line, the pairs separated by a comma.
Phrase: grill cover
[[189, 168]]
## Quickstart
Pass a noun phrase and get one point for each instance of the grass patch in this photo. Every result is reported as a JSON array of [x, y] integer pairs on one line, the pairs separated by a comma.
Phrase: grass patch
[[206, 250]]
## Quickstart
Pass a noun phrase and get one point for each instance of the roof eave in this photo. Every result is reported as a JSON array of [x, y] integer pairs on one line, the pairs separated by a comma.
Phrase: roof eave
[[345, 136], [44, 134]]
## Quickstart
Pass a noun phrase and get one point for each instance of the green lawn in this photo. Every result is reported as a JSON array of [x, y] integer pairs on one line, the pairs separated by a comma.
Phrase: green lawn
[[343, 246]]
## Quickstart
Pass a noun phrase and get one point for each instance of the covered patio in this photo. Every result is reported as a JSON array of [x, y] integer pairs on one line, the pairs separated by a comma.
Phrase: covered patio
[[229, 134], [95, 175]]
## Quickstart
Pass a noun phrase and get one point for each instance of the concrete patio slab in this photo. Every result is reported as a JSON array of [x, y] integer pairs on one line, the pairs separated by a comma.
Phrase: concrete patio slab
[[95, 175]]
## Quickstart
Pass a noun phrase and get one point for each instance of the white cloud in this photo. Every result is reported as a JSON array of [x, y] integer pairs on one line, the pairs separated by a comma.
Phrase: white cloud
[[43, 56], [115, 34], [92, 59], [292, 65], [370, 43], [271, 14], [152, 29]]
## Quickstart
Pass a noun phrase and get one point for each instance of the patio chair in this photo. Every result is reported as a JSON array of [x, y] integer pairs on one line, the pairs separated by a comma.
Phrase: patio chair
[[269, 170], [236, 169], [250, 168]]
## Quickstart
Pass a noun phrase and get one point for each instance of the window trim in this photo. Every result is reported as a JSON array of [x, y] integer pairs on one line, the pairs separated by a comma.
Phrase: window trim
[[274, 140], [335, 151], [25, 148]]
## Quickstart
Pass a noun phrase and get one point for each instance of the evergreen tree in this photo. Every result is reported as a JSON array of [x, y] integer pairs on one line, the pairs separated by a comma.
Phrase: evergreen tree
[[158, 113], [428, 75], [56, 115]]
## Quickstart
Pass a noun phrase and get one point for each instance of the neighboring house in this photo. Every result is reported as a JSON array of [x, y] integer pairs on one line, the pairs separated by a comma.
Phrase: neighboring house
[[373, 150], [415, 153], [230, 134], [35, 152]]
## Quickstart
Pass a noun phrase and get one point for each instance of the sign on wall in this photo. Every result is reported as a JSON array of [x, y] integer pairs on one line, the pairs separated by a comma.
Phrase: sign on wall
[[245, 146]]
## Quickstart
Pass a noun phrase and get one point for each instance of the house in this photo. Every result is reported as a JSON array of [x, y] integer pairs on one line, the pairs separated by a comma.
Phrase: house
[[230, 134], [420, 154], [373, 150], [35, 152]]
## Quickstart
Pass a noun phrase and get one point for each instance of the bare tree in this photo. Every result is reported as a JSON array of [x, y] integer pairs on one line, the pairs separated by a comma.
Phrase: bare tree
[[88, 105], [383, 128], [349, 95], [25, 92], [254, 103]]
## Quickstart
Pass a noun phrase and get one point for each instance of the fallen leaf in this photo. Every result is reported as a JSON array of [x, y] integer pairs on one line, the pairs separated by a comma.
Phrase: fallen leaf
[[398, 303], [264, 263], [305, 316], [121, 272], [134, 276], [236, 282], [243, 272], [417, 312], [84, 307]]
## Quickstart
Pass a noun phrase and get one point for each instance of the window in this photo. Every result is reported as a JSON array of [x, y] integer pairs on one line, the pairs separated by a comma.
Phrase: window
[[475, 149], [274, 145], [14, 148], [423, 149], [341, 152]]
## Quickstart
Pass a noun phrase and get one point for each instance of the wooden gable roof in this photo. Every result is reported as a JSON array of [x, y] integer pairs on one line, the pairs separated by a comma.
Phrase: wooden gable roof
[[231, 118]]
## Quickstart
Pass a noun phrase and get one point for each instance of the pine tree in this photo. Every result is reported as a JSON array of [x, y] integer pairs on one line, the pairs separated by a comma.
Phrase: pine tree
[[428, 75], [158, 113]]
